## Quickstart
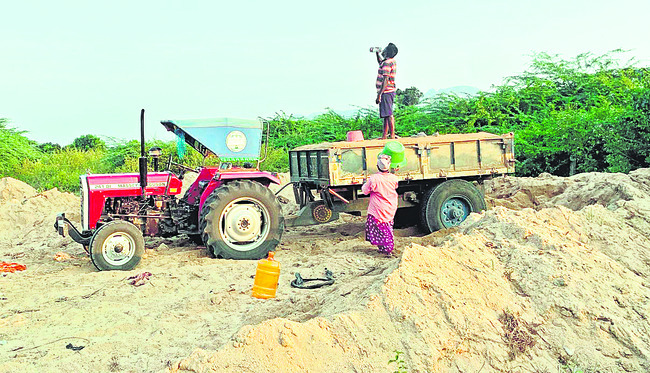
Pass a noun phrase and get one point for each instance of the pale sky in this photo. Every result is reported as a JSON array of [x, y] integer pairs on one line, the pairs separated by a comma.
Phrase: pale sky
[[71, 68]]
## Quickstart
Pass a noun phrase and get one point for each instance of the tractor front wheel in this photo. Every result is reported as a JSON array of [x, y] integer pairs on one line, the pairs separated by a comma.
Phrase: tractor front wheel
[[241, 220], [117, 245]]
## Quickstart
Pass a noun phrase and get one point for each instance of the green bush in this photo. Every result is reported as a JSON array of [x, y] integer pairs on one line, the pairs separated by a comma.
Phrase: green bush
[[628, 140], [14, 148], [60, 169], [276, 161]]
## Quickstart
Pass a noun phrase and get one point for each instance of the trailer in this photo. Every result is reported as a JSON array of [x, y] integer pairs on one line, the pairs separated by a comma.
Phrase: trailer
[[440, 181]]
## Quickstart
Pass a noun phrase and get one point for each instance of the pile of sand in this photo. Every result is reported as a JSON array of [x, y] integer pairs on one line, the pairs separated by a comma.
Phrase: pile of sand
[[575, 282], [443, 305], [552, 278], [573, 192], [190, 300], [28, 216], [12, 189]]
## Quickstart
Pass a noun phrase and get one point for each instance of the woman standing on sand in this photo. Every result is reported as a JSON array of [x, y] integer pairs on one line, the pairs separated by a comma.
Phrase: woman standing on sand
[[382, 188]]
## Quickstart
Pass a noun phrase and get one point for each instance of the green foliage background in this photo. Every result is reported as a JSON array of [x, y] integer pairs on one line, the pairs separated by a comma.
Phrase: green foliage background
[[589, 113]]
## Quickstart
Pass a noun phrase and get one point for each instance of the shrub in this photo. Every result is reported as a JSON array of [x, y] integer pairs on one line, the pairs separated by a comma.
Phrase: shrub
[[15, 148], [60, 169]]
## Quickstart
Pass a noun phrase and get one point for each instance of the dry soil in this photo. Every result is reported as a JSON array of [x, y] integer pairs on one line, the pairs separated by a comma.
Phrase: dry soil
[[553, 277]]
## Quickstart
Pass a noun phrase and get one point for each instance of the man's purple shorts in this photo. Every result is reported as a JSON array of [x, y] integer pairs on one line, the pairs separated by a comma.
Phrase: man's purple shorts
[[386, 104]]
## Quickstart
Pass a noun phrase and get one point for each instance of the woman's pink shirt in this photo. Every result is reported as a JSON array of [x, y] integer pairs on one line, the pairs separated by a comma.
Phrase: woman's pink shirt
[[382, 188]]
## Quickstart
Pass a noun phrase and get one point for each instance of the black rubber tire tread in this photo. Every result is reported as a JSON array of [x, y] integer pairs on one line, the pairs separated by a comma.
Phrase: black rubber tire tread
[[434, 198], [217, 202], [106, 230]]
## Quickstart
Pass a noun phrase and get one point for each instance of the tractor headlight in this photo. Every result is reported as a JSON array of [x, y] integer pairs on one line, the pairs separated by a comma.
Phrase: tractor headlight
[[155, 152]]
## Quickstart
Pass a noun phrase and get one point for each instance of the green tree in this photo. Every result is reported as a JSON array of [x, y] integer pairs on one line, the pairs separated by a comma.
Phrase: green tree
[[628, 140], [49, 147], [89, 142], [408, 97], [568, 115]]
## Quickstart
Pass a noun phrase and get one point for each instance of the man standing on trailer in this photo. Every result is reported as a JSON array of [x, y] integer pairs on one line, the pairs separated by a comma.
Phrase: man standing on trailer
[[386, 88]]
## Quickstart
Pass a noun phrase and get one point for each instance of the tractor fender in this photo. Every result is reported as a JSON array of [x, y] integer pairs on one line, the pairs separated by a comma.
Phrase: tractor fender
[[263, 177]]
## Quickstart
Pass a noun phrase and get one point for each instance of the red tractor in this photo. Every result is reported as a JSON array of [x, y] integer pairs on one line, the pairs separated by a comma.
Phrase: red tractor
[[229, 209]]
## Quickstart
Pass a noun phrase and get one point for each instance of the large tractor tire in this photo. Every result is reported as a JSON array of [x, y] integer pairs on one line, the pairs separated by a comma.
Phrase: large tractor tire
[[117, 245], [241, 220], [448, 204]]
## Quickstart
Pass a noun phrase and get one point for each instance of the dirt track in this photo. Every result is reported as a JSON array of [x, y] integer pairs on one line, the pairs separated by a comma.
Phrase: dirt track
[[553, 276]]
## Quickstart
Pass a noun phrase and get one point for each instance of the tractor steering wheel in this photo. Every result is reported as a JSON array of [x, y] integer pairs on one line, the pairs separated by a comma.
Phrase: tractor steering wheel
[[182, 168]]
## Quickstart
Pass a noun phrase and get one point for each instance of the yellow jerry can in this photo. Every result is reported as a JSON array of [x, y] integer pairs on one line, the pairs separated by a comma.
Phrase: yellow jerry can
[[266, 277]]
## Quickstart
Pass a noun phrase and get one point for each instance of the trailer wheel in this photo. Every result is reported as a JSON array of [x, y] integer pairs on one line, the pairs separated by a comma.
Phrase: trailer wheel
[[241, 220], [448, 204], [117, 245]]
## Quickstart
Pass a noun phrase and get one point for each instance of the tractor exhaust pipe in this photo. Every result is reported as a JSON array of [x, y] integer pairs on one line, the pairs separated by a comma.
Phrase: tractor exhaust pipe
[[142, 164]]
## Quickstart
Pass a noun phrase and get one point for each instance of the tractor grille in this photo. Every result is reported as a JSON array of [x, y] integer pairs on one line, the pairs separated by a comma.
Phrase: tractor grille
[[83, 191], [83, 198]]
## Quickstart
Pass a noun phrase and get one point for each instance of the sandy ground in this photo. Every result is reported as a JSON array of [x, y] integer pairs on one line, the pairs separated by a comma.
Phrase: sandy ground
[[552, 278]]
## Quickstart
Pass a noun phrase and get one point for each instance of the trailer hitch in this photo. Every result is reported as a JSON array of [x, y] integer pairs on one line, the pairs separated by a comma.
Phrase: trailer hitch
[[286, 185], [64, 227]]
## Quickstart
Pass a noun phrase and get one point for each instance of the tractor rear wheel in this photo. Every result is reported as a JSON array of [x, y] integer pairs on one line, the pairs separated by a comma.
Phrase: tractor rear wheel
[[448, 204], [241, 220], [117, 245]]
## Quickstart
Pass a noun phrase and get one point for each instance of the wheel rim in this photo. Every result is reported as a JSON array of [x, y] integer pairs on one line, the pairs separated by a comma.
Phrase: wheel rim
[[244, 223], [454, 211], [118, 248]]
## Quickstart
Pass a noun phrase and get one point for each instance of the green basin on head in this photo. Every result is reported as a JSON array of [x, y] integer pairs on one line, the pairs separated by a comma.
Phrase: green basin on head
[[396, 151]]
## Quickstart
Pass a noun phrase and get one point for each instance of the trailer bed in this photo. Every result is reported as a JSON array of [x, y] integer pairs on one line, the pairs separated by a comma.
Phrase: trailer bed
[[428, 157]]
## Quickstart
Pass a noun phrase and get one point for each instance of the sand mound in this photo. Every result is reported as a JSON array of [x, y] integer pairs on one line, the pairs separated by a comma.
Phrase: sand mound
[[11, 188], [573, 192], [28, 216], [574, 289], [443, 307], [552, 278]]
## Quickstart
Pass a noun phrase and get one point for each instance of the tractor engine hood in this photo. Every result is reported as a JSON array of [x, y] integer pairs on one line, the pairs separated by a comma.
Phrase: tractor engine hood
[[228, 138], [96, 188]]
